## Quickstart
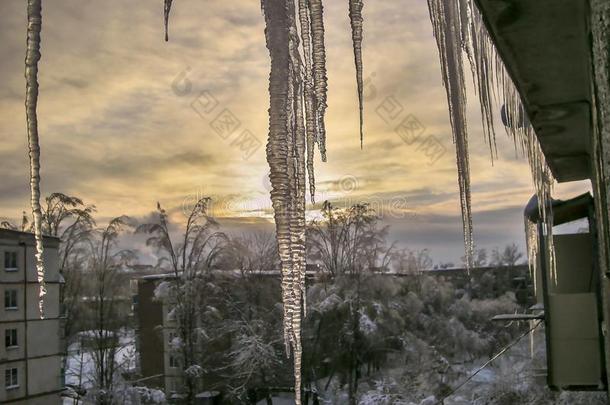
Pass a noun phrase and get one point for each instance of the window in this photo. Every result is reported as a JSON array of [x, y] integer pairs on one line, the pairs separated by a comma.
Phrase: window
[[10, 338], [173, 361], [10, 299], [11, 378], [10, 261]]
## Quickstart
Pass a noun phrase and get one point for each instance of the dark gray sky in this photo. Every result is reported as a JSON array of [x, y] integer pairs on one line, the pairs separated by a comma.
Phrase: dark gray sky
[[127, 120]]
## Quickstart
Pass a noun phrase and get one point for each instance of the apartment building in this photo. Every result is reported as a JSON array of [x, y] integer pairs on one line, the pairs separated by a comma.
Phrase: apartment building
[[30, 356], [156, 330]]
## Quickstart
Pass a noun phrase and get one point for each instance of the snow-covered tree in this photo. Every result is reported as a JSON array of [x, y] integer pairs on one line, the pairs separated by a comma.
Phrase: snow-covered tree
[[195, 253]]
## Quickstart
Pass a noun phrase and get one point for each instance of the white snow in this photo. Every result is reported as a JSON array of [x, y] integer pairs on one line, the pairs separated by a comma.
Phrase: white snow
[[366, 324], [80, 367]]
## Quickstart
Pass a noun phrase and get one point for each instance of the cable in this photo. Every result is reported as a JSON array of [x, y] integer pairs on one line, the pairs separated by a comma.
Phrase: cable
[[488, 362]]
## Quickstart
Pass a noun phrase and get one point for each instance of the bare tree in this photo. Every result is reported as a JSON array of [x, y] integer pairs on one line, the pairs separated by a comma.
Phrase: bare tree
[[510, 256], [347, 241], [412, 261], [105, 283], [253, 252], [479, 258]]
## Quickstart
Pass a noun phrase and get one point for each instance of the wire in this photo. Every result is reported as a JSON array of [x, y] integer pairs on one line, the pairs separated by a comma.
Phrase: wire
[[488, 362]]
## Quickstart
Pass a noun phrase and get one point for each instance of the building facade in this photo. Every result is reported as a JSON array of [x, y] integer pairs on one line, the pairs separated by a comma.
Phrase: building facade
[[30, 355], [156, 329]]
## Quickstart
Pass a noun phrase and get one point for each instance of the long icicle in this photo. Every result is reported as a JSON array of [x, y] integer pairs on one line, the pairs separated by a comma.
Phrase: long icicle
[[310, 102], [31, 101], [479, 47], [445, 17], [297, 219], [167, 7], [355, 18], [300, 147], [286, 158], [276, 33], [319, 70]]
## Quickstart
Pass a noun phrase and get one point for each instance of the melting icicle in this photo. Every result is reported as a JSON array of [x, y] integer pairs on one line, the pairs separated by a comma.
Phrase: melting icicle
[[296, 122], [461, 20], [531, 243], [479, 49], [31, 101], [276, 33], [355, 18], [445, 17], [286, 151], [310, 103], [319, 70], [167, 6]]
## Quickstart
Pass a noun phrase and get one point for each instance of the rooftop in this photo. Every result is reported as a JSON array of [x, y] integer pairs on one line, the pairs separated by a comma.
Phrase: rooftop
[[27, 237]]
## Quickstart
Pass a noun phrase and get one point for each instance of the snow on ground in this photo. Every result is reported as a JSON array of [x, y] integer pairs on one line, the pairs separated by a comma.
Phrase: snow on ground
[[80, 367]]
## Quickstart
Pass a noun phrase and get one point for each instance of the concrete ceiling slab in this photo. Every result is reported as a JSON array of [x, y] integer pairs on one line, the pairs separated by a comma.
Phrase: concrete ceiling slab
[[546, 49]]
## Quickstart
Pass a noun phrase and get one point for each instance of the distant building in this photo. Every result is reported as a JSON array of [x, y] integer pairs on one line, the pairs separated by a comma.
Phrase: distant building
[[156, 328], [31, 356], [151, 334]]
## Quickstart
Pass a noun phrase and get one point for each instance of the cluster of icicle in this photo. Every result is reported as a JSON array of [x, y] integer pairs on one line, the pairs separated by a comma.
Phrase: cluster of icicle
[[297, 88], [34, 14], [460, 32]]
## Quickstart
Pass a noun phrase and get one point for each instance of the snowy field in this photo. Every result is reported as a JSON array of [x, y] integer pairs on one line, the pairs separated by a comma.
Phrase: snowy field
[[80, 368]]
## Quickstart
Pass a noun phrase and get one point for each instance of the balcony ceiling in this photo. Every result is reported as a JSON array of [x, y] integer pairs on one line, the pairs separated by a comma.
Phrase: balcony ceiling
[[545, 47]]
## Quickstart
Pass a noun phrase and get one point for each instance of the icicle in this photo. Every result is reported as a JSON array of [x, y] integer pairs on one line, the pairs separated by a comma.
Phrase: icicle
[[461, 20], [167, 6], [297, 220], [276, 33], [355, 17], [286, 151], [310, 103], [298, 227], [445, 17], [296, 123], [31, 100], [531, 243], [319, 70], [479, 49]]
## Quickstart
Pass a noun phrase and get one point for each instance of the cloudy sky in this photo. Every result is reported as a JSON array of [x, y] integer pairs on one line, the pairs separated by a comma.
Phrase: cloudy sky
[[127, 120]]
